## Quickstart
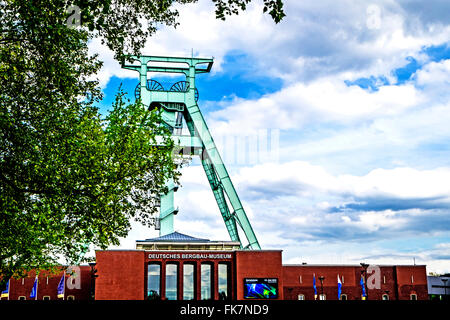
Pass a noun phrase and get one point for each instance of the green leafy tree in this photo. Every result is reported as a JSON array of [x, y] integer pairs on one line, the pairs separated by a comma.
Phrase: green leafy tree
[[68, 176]]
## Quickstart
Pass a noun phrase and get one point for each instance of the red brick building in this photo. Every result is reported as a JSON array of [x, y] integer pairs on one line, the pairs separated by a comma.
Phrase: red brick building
[[179, 267], [394, 282]]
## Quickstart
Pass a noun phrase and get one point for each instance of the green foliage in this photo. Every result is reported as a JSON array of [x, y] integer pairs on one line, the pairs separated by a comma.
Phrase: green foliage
[[69, 177], [120, 23], [230, 7]]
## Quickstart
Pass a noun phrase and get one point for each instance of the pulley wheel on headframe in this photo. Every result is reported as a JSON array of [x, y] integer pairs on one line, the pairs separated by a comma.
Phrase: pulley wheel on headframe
[[152, 85], [183, 86]]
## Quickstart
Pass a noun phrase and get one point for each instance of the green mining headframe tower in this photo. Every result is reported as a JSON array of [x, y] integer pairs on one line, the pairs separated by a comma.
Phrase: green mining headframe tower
[[179, 102]]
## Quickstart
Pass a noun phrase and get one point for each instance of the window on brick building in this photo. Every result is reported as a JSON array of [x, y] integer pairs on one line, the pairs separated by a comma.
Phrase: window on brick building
[[323, 297], [153, 281], [206, 281], [71, 298], [188, 282], [46, 298], [413, 296], [385, 297], [343, 297], [22, 298], [171, 281], [301, 297], [224, 279]]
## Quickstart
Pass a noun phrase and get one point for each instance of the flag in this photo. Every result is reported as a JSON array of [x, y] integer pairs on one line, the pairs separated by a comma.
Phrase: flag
[[5, 293], [60, 290], [314, 285], [33, 293], [361, 282], [339, 287]]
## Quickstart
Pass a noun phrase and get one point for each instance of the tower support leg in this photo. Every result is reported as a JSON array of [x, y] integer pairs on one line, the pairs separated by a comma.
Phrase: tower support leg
[[197, 126], [167, 209]]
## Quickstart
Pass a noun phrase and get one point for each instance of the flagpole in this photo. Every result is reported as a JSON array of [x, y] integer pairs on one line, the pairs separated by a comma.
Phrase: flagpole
[[339, 287], [61, 285], [64, 285], [9, 287], [315, 288]]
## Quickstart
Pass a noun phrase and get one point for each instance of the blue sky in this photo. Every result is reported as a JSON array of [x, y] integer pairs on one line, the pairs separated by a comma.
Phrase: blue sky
[[434, 53], [360, 100]]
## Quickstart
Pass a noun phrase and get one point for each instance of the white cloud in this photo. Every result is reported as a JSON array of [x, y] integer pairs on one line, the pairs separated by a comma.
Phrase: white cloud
[[314, 40], [352, 253], [435, 74], [373, 221], [385, 125], [325, 100], [401, 183], [296, 176]]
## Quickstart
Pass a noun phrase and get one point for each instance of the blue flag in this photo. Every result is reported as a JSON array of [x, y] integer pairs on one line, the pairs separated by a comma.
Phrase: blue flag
[[363, 288], [314, 285], [5, 293], [60, 290], [339, 287], [33, 293]]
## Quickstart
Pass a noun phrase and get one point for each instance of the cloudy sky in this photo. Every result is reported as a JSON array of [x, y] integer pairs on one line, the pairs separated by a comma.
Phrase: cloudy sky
[[352, 100]]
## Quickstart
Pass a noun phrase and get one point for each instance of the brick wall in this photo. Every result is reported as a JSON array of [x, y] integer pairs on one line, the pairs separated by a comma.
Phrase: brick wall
[[121, 275], [258, 264], [398, 282], [48, 284]]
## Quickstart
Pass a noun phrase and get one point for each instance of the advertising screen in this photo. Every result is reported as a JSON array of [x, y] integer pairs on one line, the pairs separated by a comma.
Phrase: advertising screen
[[261, 288]]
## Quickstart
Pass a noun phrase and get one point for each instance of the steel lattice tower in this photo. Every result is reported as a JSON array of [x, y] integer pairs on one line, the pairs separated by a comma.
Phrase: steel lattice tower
[[179, 102]]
